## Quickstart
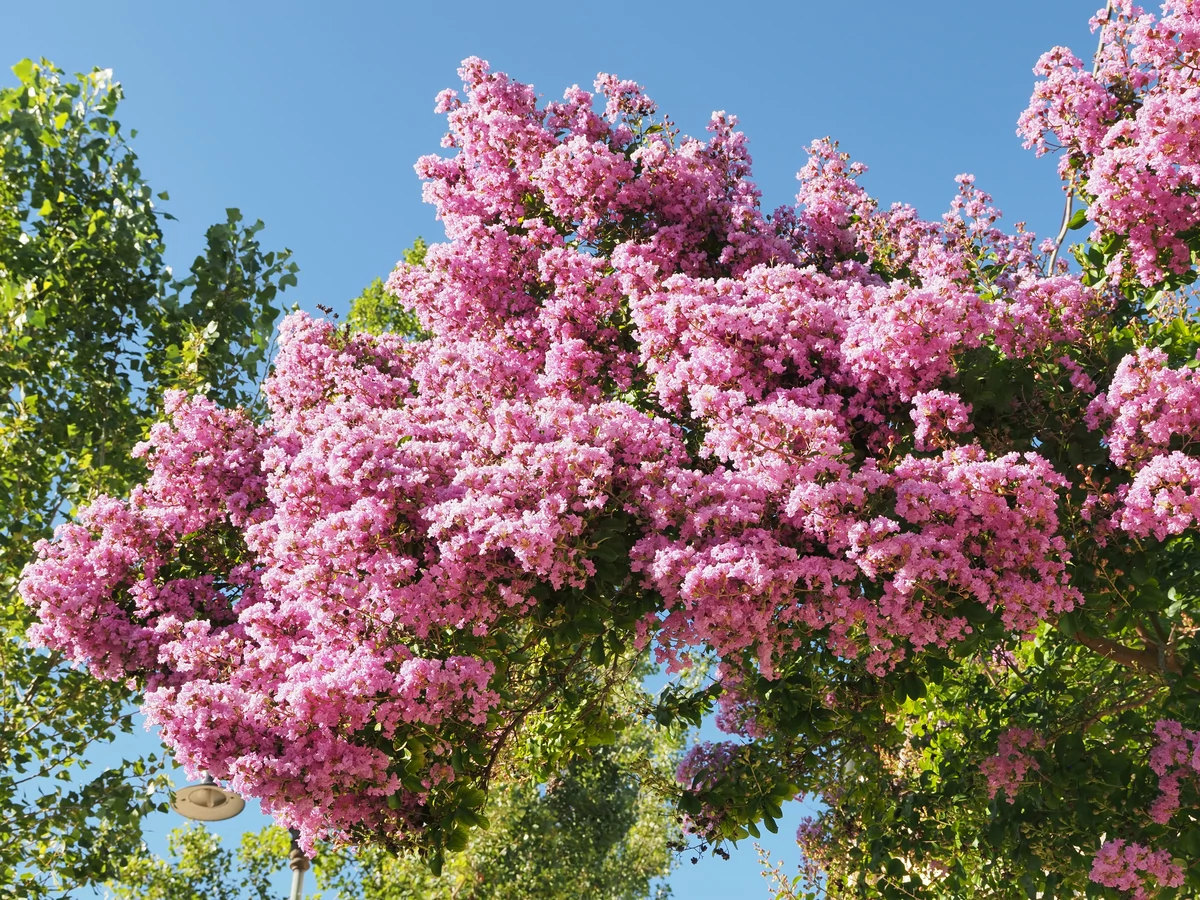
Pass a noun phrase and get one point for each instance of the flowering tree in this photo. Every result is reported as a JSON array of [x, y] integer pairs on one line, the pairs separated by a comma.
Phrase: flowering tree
[[924, 498]]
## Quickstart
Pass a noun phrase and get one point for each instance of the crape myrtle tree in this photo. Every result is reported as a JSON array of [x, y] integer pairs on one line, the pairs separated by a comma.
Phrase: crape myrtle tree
[[925, 502], [593, 828], [93, 329]]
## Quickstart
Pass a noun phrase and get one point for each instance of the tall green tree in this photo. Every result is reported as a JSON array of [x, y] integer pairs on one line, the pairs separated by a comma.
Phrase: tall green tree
[[592, 829], [201, 869], [93, 328]]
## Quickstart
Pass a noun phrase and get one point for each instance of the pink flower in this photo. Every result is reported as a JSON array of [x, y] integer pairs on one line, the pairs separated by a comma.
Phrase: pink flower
[[1133, 867], [1129, 133], [1007, 770]]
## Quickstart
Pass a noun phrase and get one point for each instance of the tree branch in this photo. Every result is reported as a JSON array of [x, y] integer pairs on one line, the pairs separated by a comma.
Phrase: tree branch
[[1066, 220], [1153, 660]]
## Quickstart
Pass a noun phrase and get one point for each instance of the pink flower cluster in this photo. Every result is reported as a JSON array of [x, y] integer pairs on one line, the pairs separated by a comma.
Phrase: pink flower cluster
[[1007, 769], [1151, 418], [1149, 408], [769, 404], [255, 604], [701, 769], [702, 765], [1131, 131], [927, 536], [1175, 759], [112, 587], [938, 414], [1133, 867], [813, 840]]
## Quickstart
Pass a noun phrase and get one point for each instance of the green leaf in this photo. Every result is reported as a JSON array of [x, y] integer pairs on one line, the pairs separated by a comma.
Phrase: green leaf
[[914, 687], [1069, 749], [436, 862], [598, 655]]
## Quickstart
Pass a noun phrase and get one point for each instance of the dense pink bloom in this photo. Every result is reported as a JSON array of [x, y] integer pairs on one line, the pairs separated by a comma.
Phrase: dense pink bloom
[[1176, 760], [1150, 416], [1148, 409], [1130, 133], [1133, 867], [937, 415], [1008, 768], [771, 411]]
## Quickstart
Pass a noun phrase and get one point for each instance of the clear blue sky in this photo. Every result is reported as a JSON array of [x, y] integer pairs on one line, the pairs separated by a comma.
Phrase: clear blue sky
[[310, 115]]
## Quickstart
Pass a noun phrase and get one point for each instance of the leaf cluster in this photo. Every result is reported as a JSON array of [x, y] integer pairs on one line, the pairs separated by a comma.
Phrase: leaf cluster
[[93, 330]]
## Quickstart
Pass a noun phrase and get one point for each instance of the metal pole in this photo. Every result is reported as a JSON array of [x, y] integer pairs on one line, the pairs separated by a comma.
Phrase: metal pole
[[298, 863]]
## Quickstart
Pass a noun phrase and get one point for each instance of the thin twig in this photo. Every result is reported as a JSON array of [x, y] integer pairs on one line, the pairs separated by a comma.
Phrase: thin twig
[[1067, 210]]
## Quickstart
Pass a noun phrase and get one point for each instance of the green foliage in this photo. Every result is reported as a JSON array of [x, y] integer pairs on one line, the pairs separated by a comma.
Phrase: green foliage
[[216, 339], [592, 829], [376, 311], [201, 868], [80, 262], [92, 330]]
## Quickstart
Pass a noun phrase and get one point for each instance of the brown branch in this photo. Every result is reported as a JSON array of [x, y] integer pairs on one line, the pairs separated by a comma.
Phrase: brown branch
[[1137, 701], [506, 732], [1153, 660]]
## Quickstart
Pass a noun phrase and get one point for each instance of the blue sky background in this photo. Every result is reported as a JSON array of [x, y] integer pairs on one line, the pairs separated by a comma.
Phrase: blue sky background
[[310, 115]]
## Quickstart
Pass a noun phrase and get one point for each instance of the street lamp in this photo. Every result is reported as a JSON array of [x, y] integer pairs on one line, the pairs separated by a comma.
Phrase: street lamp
[[298, 863], [209, 802]]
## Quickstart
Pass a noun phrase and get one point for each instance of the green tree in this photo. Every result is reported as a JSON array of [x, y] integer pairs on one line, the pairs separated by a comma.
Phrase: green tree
[[93, 329], [376, 311], [592, 829], [201, 869]]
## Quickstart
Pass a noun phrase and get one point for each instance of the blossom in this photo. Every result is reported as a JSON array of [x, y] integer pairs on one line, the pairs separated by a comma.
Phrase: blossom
[[1133, 867], [1007, 769], [648, 414], [1129, 132], [1174, 759]]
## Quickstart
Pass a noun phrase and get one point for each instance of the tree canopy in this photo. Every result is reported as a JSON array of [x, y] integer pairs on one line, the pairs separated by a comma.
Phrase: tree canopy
[[592, 830], [921, 494], [93, 329]]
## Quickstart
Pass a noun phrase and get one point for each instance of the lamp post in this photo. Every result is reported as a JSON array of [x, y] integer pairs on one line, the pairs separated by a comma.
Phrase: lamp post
[[209, 802], [298, 863]]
